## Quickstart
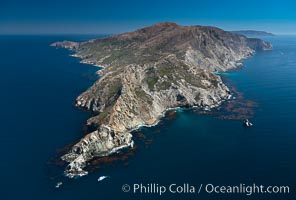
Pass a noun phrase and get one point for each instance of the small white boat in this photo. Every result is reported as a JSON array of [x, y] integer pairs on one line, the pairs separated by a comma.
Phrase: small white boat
[[59, 184], [247, 123], [102, 178]]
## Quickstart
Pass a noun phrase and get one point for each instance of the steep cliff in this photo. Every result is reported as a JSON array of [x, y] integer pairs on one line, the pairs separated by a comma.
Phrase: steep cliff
[[147, 72]]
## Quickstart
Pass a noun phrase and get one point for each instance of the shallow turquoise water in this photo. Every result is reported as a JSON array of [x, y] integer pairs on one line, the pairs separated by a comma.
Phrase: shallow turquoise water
[[39, 85]]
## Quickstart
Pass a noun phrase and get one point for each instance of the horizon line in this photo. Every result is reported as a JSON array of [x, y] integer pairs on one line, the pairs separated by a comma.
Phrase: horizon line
[[106, 34]]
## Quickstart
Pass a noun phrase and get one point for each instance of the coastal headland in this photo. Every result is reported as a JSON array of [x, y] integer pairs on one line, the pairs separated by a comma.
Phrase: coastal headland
[[148, 72]]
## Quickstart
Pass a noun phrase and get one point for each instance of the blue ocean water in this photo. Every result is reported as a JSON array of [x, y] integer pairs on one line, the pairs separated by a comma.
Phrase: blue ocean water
[[39, 85]]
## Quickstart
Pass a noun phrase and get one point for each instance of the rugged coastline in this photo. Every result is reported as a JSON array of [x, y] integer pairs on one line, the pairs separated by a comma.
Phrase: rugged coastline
[[147, 72]]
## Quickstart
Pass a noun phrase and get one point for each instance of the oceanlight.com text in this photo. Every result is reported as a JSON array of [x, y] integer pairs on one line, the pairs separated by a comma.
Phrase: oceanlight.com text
[[186, 188]]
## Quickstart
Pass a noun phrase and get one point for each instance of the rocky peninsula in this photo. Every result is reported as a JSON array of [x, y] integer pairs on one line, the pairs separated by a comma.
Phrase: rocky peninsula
[[147, 72]]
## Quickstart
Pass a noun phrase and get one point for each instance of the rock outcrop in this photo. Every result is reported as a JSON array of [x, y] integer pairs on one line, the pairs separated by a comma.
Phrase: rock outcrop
[[66, 44], [147, 72], [101, 142]]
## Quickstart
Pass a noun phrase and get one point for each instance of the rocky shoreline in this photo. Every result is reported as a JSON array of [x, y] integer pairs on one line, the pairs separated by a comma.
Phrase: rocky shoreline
[[145, 74]]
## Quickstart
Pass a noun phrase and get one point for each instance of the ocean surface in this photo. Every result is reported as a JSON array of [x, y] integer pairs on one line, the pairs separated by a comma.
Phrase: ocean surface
[[39, 85]]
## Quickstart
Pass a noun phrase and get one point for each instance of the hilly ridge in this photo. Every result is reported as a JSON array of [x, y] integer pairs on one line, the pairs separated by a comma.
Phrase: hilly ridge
[[147, 72]]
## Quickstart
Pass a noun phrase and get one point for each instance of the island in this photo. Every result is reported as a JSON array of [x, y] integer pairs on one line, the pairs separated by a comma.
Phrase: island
[[147, 72], [253, 33]]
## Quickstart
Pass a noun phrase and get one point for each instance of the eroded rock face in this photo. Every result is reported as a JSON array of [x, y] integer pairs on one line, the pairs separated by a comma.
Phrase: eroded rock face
[[147, 72], [101, 142]]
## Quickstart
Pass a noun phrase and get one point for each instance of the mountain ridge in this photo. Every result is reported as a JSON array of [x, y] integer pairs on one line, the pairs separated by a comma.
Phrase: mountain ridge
[[252, 33]]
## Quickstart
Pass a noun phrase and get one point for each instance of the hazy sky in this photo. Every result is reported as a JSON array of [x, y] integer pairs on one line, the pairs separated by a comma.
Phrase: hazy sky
[[110, 16]]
